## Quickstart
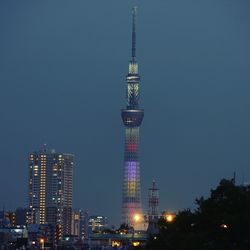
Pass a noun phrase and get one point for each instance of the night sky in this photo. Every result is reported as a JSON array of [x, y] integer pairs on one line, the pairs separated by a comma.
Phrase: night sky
[[62, 76]]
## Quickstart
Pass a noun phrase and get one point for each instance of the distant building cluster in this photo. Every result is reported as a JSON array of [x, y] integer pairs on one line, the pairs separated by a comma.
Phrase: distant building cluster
[[49, 218]]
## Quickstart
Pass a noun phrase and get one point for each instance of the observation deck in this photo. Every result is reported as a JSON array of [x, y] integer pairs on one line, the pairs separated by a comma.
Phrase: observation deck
[[132, 117]]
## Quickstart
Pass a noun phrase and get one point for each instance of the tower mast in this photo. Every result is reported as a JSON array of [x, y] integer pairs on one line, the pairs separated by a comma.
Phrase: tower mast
[[153, 202], [134, 10], [153, 213], [132, 117]]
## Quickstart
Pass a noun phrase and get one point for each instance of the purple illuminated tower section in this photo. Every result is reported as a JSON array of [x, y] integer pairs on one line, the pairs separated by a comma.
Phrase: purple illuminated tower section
[[132, 118]]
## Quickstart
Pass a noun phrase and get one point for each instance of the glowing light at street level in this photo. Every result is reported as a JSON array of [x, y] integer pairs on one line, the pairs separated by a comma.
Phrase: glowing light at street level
[[137, 218], [169, 217], [116, 243], [42, 243], [136, 243], [224, 226]]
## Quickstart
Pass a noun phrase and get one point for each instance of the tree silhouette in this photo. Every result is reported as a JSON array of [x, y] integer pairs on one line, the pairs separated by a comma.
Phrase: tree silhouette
[[220, 222]]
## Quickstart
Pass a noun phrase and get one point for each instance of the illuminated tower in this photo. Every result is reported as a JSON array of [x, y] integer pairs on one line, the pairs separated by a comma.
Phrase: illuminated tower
[[132, 117]]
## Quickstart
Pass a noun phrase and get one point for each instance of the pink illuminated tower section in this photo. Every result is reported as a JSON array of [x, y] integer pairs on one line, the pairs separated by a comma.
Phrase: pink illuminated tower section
[[132, 117]]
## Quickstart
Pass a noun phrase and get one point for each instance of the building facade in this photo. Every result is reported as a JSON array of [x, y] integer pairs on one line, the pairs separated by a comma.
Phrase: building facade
[[132, 117], [51, 188], [21, 216], [97, 223], [79, 226]]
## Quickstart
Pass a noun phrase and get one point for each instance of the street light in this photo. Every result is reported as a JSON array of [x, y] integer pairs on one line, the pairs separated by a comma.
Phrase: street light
[[137, 218], [224, 226], [42, 242], [169, 217]]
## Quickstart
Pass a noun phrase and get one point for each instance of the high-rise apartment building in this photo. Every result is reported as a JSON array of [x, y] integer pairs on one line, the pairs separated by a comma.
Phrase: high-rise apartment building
[[132, 117], [50, 188]]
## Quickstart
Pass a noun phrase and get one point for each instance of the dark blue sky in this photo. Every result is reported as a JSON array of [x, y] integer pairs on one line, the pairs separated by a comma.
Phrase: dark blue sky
[[62, 77]]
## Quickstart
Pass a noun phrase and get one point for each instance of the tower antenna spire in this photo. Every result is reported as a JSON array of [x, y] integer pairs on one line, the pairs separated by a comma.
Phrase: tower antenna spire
[[134, 12]]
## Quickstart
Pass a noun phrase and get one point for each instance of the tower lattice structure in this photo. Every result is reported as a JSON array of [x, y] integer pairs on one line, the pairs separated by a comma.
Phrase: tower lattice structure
[[153, 202], [132, 117]]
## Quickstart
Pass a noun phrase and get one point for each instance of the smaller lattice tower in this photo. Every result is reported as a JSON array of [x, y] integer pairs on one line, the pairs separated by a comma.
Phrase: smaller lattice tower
[[153, 212], [153, 202]]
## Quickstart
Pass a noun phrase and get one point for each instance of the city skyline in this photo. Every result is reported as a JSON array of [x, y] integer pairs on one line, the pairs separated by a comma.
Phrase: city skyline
[[60, 74]]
